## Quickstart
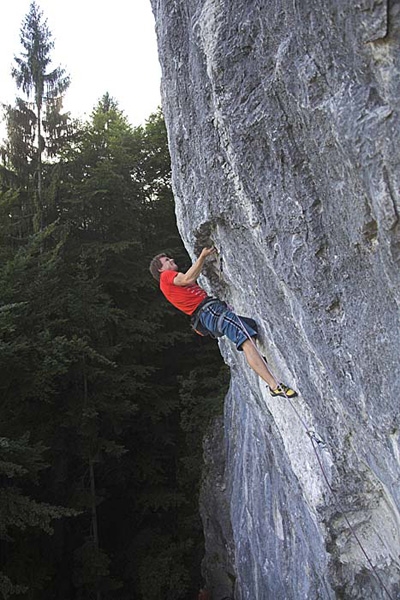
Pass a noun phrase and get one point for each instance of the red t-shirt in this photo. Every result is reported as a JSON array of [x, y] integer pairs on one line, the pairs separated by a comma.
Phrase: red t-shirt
[[186, 298]]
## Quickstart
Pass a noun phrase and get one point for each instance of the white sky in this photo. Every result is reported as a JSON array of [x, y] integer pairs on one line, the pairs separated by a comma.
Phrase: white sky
[[103, 46]]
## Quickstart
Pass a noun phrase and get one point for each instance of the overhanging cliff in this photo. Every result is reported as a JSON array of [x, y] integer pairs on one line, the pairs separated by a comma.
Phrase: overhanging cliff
[[284, 132]]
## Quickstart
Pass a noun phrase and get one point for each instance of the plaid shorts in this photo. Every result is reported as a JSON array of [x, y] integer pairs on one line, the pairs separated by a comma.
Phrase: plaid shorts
[[219, 320]]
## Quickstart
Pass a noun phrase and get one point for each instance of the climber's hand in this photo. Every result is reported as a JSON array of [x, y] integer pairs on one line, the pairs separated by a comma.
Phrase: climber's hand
[[208, 251]]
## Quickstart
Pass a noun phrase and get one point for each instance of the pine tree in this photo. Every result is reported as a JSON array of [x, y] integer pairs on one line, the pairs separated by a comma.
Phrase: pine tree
[[20, 463], [35, 125]]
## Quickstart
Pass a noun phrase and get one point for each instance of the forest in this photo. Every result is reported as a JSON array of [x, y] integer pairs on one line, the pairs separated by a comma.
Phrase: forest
[[106, 393]]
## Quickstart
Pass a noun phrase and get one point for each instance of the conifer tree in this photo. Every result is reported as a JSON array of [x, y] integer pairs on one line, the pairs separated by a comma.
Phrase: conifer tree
[[36, 125]]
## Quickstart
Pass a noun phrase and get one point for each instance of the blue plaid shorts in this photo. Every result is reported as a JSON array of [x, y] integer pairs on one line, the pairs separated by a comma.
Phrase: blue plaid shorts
[[219, 320]]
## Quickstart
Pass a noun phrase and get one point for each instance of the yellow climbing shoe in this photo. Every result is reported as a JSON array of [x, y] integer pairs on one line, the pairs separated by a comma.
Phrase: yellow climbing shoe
[[284, 391]]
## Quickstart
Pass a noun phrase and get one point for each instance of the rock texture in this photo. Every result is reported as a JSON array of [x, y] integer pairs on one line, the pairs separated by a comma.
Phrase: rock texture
[[284, 131]]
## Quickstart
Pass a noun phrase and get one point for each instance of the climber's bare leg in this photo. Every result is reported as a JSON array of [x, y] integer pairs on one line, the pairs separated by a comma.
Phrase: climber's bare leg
[[257, 364]]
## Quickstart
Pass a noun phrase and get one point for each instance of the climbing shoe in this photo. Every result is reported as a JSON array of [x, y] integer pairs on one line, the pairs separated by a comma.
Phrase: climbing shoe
[[284, 391]]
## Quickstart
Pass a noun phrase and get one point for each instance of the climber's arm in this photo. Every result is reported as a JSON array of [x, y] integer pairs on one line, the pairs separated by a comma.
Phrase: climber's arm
[[191, 275]]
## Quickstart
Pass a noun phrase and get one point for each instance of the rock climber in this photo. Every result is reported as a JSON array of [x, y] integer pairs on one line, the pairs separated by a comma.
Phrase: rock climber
[[210, 315]]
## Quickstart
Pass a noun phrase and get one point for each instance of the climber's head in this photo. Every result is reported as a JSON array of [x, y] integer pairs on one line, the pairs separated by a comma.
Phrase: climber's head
[[161, 263]]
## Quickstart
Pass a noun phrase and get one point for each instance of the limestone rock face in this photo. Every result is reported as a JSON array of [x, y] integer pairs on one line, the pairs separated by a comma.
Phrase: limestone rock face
[[284, 132]]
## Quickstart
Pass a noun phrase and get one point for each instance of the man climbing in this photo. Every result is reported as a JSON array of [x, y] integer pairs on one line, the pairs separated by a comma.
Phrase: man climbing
[[211, 315]]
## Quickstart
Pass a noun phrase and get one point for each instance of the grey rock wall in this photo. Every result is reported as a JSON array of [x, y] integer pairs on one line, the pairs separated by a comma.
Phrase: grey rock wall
[[284, 132]]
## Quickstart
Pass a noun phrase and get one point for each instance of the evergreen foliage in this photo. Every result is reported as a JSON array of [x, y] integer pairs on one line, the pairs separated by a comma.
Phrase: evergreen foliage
[[105, 391], [35, 124]]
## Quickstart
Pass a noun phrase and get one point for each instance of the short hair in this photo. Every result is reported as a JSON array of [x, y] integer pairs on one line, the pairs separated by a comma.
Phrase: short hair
[[155, 265]]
